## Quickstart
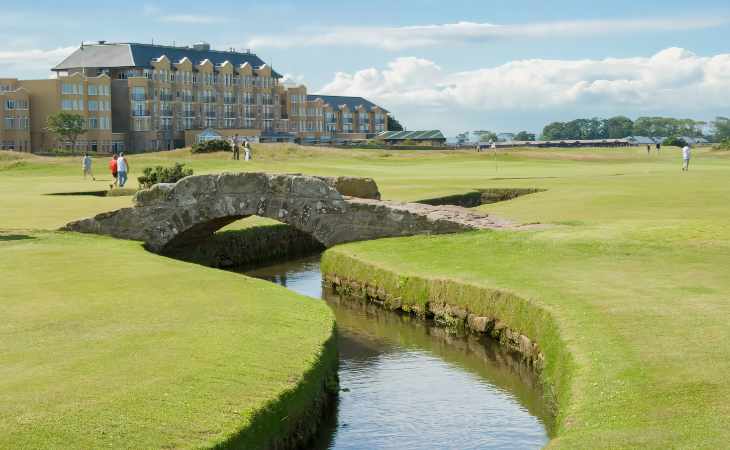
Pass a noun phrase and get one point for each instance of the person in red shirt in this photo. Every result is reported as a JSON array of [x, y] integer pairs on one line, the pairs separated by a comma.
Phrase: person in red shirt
[[113, 169]]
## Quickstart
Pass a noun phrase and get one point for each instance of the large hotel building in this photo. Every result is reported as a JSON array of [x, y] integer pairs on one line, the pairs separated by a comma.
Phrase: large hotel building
[[140, 97]]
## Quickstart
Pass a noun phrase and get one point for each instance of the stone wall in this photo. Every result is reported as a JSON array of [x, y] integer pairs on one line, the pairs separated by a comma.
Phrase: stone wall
[[248, 247]]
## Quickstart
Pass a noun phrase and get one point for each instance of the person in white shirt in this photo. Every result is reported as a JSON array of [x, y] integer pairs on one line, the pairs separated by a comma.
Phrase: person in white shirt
[[686, 155], [86, 165], [122, 169]]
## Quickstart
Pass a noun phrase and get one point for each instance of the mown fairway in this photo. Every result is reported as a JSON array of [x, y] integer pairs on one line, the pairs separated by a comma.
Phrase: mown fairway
[[633, 265]]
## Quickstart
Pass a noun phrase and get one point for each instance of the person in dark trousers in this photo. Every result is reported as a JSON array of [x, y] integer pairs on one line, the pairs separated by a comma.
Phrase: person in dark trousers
[[658, 147], [648, 149], [236, 149], [113, 170]]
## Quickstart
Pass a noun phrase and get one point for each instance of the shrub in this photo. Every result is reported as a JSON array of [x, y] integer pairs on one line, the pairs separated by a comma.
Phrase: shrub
[[213, 146], [674, 141], [724, 145], [160, 174]]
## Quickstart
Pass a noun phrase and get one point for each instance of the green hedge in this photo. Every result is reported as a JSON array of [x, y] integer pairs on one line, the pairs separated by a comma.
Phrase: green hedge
[[213, 146], [159, 174]]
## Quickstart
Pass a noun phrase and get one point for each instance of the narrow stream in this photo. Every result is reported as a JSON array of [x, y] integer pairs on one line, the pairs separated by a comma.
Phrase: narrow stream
[[406, 384]]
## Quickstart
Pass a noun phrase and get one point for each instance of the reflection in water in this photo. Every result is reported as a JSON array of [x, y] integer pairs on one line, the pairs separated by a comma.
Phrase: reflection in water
[[408, 385]]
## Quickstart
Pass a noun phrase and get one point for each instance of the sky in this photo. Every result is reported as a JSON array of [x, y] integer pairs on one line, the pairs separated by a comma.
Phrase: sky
[[460, 65]]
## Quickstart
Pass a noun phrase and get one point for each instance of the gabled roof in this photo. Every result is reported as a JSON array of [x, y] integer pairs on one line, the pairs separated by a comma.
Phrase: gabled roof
[[410, 135], [141, 55], [352, 103]]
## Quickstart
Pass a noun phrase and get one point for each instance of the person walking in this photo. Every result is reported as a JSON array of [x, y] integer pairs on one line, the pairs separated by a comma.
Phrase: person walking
[[122, 170], [686, 155], [236, 150], [648, 149], [113, 170], [86, 165], [658, 147]]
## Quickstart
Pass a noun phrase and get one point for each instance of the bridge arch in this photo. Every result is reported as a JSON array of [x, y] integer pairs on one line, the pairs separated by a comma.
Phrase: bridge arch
[[332, 210]]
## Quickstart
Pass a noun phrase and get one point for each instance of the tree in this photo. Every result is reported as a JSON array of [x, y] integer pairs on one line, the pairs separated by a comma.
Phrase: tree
[[66, 126], [721, 129], [393, 124], [486, 136], [524, 136], [619, 127], [674, 141], [554, 131]]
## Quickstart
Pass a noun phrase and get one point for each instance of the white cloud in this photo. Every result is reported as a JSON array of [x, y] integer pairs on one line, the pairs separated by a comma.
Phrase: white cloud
[[672, 81], [398, 38], [193, 19], [16, 62]]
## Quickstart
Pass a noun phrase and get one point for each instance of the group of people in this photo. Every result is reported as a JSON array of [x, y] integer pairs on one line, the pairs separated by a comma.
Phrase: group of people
[[658, 148], [237, 151], [118, 166]]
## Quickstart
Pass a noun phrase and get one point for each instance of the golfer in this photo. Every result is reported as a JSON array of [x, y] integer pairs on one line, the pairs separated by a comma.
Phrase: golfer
[[236, 150], [86, 165], [246, 151], [122, 169], [686, 155]]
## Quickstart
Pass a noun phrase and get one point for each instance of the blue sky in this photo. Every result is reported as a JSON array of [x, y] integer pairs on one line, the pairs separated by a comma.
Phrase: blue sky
[[457, 65]]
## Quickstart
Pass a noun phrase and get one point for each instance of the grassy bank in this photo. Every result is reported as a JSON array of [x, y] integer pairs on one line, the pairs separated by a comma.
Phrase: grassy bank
[[630, 270], [105, 345]]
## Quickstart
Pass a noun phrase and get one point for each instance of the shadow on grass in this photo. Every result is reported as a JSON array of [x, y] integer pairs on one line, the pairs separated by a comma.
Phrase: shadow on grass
[[14, 237], [121, 192]]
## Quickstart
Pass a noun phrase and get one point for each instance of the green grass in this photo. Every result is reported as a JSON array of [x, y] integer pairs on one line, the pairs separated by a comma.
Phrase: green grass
[[634, 272], [632, 269], [106, 345]]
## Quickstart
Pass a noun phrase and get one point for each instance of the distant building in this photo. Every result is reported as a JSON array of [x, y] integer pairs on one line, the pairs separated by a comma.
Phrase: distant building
[[428, 137], [143, 97], [505, 137]]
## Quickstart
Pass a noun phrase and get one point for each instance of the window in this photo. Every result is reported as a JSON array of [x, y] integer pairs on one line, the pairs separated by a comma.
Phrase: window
[[67, 105], [93, 89], [10, 123], [138, 94], [93, 105], [68, 89], [93, 123]]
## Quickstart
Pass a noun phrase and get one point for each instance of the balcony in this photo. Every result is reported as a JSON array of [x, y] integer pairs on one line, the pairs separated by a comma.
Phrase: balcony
[[139, 97], [141, 113]]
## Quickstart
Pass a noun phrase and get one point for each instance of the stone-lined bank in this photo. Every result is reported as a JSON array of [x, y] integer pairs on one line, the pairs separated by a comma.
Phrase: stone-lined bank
[[515, 322]]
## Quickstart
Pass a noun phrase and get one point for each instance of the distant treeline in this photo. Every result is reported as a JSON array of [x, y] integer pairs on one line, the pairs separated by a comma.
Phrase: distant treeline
[[620, 127]]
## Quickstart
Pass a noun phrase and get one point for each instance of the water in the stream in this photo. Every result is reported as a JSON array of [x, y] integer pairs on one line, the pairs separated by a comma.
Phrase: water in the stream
[[406, 384]]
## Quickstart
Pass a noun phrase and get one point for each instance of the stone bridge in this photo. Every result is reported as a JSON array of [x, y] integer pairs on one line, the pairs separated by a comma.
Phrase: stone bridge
[[332, 210]]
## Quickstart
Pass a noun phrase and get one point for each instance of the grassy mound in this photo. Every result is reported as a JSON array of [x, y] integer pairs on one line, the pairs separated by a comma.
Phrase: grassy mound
[[105, 344]]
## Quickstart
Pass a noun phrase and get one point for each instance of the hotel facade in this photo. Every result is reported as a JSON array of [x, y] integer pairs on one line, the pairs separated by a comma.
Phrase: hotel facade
[[140, 97]]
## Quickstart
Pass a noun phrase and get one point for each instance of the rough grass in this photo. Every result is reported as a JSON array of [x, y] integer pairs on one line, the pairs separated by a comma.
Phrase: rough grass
[[632, 268]]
